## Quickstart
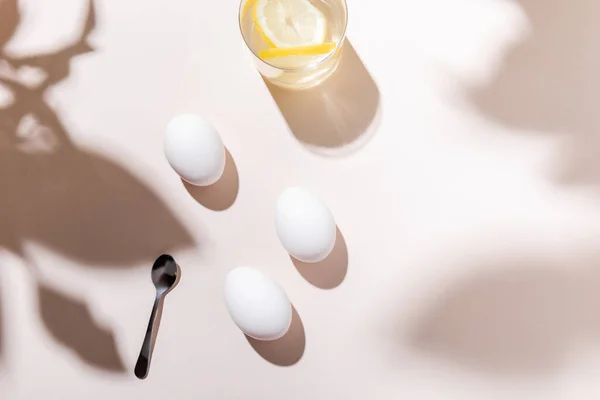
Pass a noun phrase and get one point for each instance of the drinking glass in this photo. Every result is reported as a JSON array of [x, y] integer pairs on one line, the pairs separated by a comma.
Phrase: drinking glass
[[294, 64]]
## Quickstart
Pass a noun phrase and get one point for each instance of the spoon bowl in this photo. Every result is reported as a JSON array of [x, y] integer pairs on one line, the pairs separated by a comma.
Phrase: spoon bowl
[[164, 273]]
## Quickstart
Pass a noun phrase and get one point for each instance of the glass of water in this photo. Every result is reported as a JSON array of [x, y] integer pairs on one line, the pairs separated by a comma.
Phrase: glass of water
[[296, 43]]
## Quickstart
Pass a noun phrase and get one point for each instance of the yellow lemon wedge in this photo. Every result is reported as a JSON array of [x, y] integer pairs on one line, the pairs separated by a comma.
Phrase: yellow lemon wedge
[[247, 5], [289, 23], [314, 50]]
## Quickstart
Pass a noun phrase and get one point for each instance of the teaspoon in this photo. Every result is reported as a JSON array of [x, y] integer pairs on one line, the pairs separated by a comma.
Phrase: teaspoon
[[164, 277]]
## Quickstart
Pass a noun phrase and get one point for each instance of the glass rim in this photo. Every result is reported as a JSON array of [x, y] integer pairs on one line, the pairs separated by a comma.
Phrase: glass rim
[[338, 43]]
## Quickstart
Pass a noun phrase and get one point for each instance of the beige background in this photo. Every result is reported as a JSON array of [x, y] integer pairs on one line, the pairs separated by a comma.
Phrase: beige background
[[457, 148]]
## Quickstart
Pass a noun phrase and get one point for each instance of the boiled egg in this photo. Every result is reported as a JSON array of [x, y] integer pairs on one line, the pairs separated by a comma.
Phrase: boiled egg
[[305, 226], [257, 304], [194, 149]]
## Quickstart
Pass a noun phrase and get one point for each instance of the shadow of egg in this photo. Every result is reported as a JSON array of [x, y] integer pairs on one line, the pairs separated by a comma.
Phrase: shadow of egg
[[287, 350], [222, 194], [330, 272]]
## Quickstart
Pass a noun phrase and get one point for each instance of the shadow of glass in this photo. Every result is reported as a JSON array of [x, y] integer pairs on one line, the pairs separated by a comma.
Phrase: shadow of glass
[[549, 82], [329, 273], [336, 117], [222, 194], [287, 350], [70, 323], [513, 319]]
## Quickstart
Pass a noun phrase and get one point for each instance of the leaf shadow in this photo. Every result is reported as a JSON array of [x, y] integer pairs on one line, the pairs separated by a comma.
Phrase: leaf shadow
[[519, 316], [2, 340], [549, 83], [70, 323], [10, 16], [70, 199], [73, 200]]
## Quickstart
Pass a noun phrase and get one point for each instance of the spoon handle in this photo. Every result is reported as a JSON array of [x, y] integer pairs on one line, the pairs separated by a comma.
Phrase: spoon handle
[[143, 363]]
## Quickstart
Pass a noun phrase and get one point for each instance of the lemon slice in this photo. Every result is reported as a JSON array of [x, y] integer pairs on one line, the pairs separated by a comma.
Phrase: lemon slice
[[289, 23], [313, 50]]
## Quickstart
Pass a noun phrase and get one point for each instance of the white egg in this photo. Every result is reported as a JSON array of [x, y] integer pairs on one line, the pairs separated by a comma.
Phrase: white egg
[[257, 304], [305, 226], [194, 149]]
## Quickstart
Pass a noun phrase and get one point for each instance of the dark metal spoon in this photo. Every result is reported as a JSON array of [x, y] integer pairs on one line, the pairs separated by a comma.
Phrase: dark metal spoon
[[164, 276]]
